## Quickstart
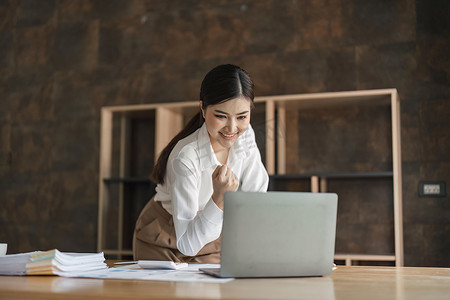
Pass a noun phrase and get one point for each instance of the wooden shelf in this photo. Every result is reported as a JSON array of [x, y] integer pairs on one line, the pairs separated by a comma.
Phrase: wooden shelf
[[386, 174], [117, 252], [350, 258], [167, 119], [127, 180]]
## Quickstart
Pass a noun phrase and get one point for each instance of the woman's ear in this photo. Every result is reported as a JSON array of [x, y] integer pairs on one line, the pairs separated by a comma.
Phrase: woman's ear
[[201, 108]]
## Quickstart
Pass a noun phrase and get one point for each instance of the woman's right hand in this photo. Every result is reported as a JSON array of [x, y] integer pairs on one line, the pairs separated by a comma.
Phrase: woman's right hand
[[224, 180]]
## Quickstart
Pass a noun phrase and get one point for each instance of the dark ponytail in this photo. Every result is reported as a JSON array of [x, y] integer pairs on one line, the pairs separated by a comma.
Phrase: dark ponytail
[[224, 82], [159, 170]]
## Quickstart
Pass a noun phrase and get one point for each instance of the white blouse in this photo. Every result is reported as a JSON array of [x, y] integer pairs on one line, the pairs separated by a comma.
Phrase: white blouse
[[187, 189]]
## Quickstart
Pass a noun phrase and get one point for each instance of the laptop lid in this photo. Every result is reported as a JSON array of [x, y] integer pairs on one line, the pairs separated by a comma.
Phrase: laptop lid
[[278, 234]]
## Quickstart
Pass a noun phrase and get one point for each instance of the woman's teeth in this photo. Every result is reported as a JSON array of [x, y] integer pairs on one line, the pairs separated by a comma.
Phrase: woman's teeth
[[228, 135]]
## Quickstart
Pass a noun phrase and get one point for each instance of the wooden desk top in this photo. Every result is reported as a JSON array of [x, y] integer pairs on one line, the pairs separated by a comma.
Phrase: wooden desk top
[[344, 283]]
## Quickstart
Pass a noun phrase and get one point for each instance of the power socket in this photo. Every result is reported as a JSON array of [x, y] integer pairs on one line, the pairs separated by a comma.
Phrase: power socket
[[432, 189]]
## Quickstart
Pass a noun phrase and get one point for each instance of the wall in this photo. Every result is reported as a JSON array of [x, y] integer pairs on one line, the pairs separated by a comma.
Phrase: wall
[[61, 61]]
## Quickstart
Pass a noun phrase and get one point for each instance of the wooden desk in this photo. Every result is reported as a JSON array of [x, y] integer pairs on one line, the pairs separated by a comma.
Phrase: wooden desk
[[345, 283]]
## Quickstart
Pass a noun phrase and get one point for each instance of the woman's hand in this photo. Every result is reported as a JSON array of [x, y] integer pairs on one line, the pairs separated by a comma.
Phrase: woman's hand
[[224, 180]]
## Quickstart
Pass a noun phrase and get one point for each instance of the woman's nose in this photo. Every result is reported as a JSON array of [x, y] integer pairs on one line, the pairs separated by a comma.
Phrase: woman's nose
[[231, 125]]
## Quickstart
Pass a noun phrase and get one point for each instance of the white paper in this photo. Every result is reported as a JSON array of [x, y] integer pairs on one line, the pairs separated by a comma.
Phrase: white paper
[[189, 274], [15, 264]]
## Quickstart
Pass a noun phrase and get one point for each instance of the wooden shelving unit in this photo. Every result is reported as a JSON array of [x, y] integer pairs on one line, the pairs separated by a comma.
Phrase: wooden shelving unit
[[271, 130]]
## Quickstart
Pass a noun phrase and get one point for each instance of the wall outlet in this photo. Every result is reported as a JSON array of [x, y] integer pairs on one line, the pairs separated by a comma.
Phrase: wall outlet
[[432, 189]]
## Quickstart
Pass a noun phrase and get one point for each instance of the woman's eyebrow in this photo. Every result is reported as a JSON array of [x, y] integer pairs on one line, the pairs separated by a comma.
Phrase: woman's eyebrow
[[243, 113], [225, 113]]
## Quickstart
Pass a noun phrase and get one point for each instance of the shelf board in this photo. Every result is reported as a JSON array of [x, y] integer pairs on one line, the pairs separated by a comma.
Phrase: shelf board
[[330, 99], [384, 174], [364, 257], [127, 180], [117, 252]]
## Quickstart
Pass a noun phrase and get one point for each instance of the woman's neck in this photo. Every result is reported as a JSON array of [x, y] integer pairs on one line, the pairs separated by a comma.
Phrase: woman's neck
[[220, 152], [222, 155]]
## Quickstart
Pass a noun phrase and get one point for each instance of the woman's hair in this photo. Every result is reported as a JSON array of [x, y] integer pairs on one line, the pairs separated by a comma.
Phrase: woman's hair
[[224, 82]]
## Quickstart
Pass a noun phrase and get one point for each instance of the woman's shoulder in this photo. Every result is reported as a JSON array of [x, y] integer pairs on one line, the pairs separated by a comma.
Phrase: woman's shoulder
[[186, 148]]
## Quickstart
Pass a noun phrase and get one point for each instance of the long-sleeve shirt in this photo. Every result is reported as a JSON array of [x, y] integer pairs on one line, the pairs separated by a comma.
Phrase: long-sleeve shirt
[[187, 189]]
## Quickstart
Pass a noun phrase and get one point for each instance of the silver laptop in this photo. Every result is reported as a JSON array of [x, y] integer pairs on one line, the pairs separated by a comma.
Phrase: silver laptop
[[277, 234]]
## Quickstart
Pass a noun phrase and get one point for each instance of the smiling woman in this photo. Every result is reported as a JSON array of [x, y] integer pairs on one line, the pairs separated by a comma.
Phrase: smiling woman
[[225, 122], [216, 152]]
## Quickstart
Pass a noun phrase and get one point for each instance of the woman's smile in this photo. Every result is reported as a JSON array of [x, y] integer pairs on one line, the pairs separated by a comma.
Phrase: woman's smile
[[229, 136]]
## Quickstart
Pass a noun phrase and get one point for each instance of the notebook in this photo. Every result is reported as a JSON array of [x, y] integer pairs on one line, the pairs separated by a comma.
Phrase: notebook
[[277, 234]]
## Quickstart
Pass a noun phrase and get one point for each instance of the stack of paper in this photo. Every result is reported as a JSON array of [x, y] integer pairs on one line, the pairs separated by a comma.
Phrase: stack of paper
[[15, 264], [54, 262]]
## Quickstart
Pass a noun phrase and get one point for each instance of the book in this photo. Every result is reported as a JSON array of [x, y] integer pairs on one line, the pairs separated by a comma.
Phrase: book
[[15, 264], [52, 262], [55, 262]]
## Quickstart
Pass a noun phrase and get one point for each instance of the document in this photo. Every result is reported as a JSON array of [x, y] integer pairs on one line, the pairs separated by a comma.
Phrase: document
[[190, 273], [54, 262], [92, 265], [15, 264]]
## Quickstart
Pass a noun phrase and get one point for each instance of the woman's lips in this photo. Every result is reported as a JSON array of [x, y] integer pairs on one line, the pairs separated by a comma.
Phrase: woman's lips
[[228, 136]]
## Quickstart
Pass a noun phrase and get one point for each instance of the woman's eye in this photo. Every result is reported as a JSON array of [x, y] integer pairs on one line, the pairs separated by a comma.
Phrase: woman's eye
[[242, 117], [220, 116]]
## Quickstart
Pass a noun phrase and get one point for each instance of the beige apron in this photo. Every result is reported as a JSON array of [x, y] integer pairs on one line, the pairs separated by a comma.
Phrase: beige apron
[[154, 238]]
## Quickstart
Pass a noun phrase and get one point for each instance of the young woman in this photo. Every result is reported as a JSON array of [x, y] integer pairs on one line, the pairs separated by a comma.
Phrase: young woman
[[216, 152]]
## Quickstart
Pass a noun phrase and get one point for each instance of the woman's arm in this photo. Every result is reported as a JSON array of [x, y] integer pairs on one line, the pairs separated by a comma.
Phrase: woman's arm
[[194, 228]]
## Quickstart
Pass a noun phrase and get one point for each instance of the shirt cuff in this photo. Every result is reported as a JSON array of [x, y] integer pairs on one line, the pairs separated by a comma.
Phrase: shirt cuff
[[213, 213]]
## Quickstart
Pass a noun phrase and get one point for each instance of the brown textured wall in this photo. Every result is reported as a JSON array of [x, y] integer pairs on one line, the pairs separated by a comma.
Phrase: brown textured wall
[[60, 61]]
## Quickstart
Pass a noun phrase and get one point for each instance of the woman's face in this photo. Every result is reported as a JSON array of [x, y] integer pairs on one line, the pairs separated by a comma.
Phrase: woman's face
[[226, 121]]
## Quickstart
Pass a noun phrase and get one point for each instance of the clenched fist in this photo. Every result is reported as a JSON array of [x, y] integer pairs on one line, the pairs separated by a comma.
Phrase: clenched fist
[[224, 180]]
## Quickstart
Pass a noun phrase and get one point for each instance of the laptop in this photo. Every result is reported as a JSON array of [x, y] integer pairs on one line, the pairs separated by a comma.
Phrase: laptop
[[277, 234]]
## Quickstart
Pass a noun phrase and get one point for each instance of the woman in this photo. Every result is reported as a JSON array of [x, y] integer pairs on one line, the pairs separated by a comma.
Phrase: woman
[[216, 152]]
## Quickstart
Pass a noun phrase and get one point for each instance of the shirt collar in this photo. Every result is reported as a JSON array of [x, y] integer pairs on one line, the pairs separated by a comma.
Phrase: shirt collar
[[243, 145], [205, 150]]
